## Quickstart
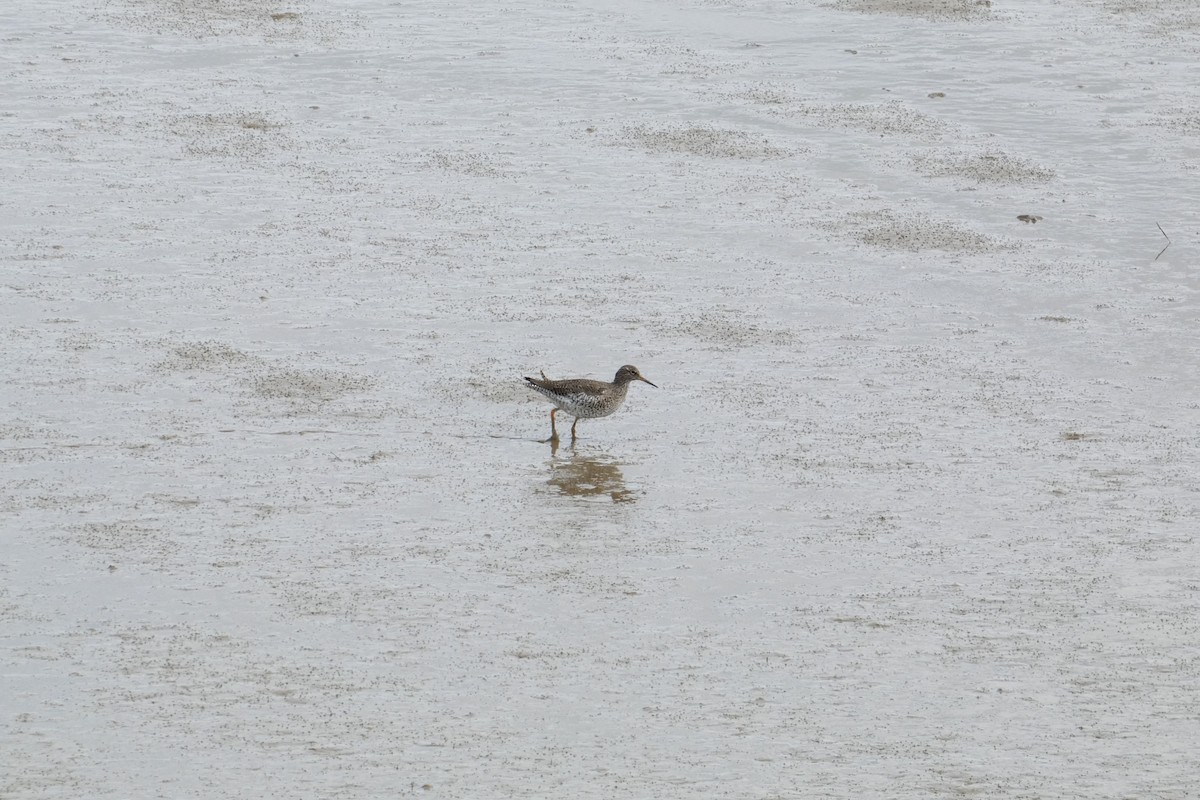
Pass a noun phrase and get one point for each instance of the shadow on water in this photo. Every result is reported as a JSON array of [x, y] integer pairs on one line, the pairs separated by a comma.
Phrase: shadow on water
[[592, 475]]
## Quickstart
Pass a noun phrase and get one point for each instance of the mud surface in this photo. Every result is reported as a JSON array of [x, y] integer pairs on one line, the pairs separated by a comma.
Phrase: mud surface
[[913, 514]]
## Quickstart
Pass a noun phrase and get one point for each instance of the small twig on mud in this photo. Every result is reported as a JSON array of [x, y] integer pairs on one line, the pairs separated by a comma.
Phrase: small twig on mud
[[1168, 244]]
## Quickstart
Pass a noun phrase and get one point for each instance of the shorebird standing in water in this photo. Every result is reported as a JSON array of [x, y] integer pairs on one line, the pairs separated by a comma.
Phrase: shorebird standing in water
[[584, 398]]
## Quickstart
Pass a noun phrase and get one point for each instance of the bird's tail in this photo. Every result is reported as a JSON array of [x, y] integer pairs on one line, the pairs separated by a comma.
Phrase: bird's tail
[[535, 381]]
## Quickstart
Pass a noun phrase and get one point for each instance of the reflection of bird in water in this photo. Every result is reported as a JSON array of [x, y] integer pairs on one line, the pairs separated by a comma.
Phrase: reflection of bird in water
[[583, 476], [584, 398]]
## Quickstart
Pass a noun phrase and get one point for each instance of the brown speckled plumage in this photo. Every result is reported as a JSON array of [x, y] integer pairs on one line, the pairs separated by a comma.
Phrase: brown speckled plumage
[[584, 398]]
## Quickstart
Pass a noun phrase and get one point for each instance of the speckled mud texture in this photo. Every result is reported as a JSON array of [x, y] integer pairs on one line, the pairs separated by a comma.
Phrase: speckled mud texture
[[913, 515]]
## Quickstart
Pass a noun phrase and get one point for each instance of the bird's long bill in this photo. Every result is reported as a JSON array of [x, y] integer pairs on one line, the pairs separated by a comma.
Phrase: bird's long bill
[[655, 385]]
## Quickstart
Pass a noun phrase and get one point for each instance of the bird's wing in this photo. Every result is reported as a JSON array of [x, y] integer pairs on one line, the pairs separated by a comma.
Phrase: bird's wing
[[584, 386]]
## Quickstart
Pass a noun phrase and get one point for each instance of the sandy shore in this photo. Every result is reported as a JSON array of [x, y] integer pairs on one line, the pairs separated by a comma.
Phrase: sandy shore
[[912, 515]]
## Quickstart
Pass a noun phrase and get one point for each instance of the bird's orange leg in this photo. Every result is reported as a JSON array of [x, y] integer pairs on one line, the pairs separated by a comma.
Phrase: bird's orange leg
[[573, 424], [553, 430]]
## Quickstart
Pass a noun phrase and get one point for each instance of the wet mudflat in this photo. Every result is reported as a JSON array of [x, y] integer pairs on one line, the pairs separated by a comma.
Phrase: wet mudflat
[[913, 513]]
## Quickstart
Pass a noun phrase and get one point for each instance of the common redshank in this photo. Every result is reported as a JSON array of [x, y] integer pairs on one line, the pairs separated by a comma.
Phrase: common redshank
[[584, 398]]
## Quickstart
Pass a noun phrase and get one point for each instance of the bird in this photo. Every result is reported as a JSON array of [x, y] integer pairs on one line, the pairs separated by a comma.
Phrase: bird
[[584, 398]]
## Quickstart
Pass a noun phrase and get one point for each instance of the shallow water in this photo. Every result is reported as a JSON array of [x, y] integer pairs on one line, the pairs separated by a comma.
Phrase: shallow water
[[912, 514]]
